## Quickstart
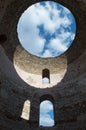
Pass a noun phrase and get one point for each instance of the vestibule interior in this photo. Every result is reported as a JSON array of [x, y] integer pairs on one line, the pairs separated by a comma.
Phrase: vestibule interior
[[20, 101]]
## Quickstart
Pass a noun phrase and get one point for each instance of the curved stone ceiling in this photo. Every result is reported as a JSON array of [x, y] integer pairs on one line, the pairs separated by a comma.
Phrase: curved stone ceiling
[[27, 63]]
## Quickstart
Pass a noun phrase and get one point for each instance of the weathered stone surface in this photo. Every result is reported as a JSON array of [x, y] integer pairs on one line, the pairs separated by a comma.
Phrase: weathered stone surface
[[68, 74]]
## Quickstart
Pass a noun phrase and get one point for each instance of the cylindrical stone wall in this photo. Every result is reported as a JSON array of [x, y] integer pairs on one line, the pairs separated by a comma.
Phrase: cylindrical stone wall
[[68, 71]]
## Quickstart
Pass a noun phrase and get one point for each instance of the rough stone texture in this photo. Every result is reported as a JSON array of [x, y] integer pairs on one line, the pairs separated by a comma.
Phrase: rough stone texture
[[68, 96]]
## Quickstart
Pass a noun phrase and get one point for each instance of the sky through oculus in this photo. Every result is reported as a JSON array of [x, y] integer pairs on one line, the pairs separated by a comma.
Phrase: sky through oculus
[[46, 29]]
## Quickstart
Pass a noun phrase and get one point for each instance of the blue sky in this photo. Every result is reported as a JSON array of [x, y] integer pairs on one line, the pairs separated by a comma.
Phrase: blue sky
[[46, 114], [46, 29], [45, 80]]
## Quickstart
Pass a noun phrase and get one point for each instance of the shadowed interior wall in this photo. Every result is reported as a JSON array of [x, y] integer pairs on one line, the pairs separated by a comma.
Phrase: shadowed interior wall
[[69, 95]]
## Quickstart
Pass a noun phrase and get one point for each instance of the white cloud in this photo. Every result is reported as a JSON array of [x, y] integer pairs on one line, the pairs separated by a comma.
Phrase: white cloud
[[57, 45], [29, 34], [48, 15], [45, 80], [45, 117], [47, 53], [46, 120], [48, 107], [61, 42]]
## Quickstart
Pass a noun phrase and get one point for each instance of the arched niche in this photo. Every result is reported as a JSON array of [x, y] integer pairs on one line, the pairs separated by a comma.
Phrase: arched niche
[[45, 76]]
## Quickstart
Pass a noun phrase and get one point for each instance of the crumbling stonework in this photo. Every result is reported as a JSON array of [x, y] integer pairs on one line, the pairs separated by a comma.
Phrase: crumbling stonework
[[68, 95]]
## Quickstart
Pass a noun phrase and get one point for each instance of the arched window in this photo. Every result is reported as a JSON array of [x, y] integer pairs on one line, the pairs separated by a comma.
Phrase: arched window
[[46, 118], [45, 76], [26, 110], [45, 80]]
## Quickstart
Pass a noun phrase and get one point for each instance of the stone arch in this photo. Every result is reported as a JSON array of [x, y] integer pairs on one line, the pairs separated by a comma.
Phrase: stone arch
[[50, 98], [72, 100], [46, 114], [46, 74], [47, 97], [26, 110]]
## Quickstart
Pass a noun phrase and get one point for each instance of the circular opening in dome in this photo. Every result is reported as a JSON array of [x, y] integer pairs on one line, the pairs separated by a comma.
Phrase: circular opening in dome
[[46, 29]]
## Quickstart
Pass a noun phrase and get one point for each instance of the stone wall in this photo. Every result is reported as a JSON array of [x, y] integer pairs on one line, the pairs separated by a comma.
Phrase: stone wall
[[69, 94]]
